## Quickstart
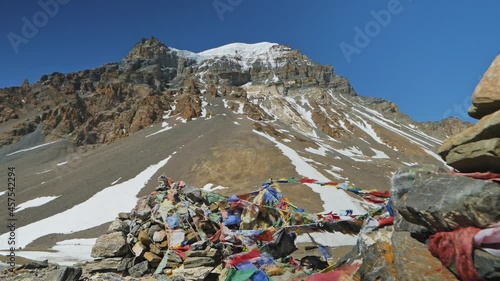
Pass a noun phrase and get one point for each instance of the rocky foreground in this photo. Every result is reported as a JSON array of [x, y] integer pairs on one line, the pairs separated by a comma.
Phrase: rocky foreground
[[179, 232]]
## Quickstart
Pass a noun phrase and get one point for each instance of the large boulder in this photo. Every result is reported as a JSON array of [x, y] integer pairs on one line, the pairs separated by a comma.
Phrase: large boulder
[[444, 202], [139, 269], [476, 149], [110, 245], [486, 98]]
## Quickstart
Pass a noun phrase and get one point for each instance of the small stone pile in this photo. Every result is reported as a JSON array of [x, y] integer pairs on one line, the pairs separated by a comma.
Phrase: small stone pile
[[41, 271], [477, 149], [179, 232]]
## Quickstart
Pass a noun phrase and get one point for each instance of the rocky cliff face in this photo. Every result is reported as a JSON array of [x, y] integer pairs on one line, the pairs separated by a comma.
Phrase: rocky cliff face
[[446, 127], [110, 102]]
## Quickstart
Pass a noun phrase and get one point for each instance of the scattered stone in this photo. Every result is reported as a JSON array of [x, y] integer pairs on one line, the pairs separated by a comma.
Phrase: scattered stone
[[35, 265], [193, 194], [142, 209], [192, 262], [213, 253], [374, 255], [139, 269], [486, 97], [486, 128], [110, 245], [155, 249], [67, 274], [194, 274], [186, 224], [479, 156], [174, 257], [427, 267], [144, 238], [192, 254], [152, 230], [164, 244], [126, 263], [118, 225], [124, 216], [467, 150], [432, 200], [487, 265], [200, 245], [160, 236], [191, 237], [400, 224], [138, 249]]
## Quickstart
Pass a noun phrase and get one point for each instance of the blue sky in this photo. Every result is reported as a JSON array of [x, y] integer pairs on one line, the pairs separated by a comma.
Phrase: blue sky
[[428, 57]]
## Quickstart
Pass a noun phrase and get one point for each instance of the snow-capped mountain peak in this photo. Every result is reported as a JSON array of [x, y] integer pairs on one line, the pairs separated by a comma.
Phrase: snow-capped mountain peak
[[241, 53]]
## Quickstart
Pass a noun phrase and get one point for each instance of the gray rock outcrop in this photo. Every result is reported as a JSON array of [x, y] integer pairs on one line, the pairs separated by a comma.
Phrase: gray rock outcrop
[[477, 149]]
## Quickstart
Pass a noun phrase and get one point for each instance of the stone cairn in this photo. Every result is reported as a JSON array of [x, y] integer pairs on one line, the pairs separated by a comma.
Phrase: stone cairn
[[140, 242]]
